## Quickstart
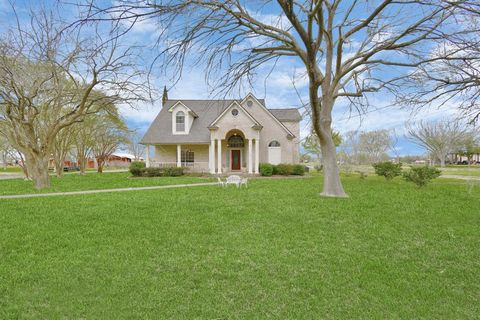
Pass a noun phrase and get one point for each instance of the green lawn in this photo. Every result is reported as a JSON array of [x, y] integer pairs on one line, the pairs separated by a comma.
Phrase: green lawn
[[92, 181], [473, 170], [10, 169], [274, 250]]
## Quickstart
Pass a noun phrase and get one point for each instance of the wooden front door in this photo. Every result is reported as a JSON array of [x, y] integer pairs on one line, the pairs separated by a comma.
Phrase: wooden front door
[[236, 165]]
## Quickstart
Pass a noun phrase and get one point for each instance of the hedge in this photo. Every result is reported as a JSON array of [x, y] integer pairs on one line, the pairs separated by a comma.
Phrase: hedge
[[284, 169], [157, 172], [266, 169]]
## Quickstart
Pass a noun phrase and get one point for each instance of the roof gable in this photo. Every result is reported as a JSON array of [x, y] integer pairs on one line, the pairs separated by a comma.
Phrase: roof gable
[[230, 107], [251, 96]]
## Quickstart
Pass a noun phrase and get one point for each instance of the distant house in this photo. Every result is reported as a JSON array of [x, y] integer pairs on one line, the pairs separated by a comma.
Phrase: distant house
[[461, 159], [116, 160], [219, 136]]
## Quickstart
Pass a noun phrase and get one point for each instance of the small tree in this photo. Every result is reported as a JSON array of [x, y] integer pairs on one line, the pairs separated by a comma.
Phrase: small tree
[[62, 145], [134, 146], [439, 138], [469, 146], [110, 132], [421, 175], [388, 169], [312, 145]]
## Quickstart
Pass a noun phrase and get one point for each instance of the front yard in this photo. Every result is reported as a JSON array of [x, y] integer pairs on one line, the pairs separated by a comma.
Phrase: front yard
[[274, 250], [93, 181]]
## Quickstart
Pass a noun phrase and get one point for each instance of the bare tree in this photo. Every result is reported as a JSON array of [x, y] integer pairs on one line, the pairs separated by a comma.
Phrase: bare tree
[[83, 144], [367, 147], [469, 145], [375, 144], [134, 146], [51, 78], [438, 138], [110, 132], [343, 45], [62, 145], [454, 75]]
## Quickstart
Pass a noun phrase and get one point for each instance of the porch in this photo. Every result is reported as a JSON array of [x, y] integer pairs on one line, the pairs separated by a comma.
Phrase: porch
[[234, 154]]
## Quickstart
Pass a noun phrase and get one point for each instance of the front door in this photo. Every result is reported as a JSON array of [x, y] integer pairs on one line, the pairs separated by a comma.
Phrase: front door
[[236, 160]]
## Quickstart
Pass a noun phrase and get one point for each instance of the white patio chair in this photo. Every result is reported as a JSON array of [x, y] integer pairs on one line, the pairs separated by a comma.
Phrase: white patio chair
[[244, 182], [220, 182], [236, 180]]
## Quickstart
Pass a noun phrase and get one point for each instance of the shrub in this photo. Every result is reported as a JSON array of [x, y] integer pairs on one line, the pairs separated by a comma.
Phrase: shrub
[[266, 169], [318, 167], [421, 175], [363, 175], [275, 170], [388, 169], [158, 172], [136, 168], [173, 171], [284, 169], [152, 172], [298, 170]]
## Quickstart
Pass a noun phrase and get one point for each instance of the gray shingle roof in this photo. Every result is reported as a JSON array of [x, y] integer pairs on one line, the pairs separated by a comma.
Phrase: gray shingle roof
[[290, 114], [160, 131]]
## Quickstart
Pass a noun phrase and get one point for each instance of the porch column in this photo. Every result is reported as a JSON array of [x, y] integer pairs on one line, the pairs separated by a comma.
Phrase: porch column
[[211, 158], [219, 145], [179, 155], [250, 158], [257, 156], [147, 156]]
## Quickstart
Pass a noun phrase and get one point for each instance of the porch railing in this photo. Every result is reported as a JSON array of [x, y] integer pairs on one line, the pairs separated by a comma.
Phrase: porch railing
[[193, 166]]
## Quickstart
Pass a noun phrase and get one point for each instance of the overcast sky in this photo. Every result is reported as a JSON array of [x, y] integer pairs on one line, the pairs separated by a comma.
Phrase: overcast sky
[[277, 89]]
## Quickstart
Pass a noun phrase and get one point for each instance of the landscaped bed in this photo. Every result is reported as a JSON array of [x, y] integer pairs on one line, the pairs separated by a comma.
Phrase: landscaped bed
[[274, 250]]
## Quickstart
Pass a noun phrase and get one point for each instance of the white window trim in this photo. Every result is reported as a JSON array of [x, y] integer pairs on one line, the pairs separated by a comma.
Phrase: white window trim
[[186, 123]]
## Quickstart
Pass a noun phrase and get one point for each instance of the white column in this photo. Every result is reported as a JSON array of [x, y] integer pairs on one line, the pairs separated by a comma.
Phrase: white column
[[257, 156], [211, 158], [179, 155], [219, 156], [250, 158], [147, 156]]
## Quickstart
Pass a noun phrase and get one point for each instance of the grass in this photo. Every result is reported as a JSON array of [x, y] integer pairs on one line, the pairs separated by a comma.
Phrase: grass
[[10, 169], [274, 250], [473, 170], [92, 181]]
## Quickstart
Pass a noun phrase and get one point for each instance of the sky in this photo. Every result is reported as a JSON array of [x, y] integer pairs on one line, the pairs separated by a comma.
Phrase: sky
[[277, 90]]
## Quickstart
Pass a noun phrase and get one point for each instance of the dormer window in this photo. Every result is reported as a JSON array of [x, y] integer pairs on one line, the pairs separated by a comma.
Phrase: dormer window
[[180, 121]]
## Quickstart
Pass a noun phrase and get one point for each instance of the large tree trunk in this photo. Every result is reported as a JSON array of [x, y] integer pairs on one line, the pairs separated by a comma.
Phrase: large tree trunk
[[332, 186], [322, 124], [37, 167]]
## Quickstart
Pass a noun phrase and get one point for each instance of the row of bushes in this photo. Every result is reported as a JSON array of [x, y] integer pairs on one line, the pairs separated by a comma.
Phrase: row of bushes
[[283, 169], [418, 175], [138, 169]]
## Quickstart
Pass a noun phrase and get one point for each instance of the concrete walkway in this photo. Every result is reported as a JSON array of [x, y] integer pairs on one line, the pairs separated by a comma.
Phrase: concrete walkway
[[72, 193]]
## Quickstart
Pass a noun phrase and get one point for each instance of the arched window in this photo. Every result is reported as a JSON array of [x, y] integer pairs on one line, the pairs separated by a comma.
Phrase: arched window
[[180, 121], [235, 141], [274, 143]]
